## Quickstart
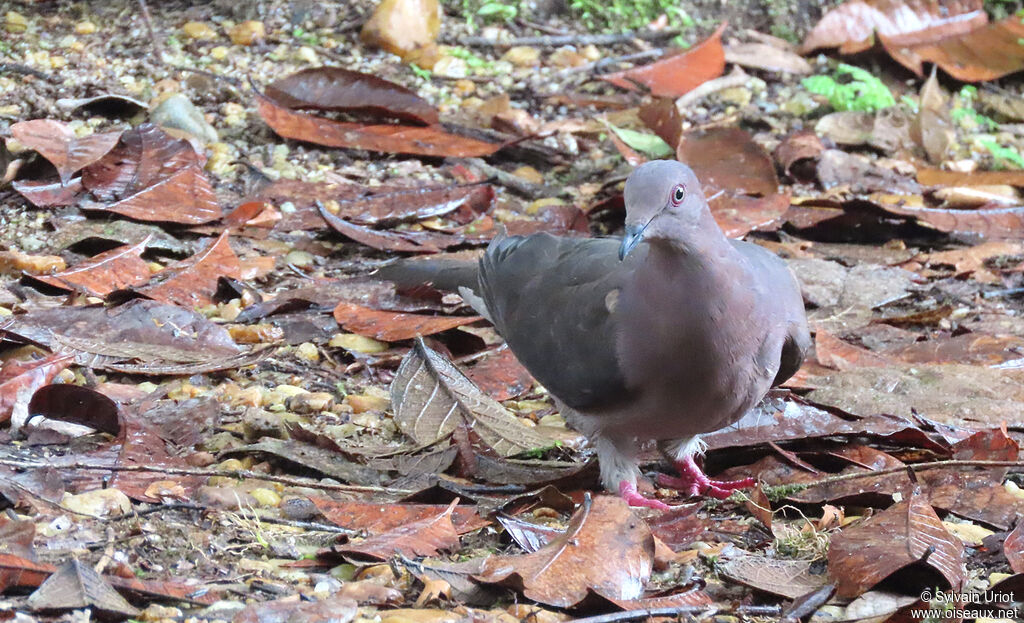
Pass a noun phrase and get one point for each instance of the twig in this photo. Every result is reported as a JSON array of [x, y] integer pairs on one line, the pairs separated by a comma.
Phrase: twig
[[559, 40], [203, 72], [18, 68], [157, 45], [542, 27], [915, 467], [613, 60], [516, 183], [191, 471], [646, 613], [737, 78]]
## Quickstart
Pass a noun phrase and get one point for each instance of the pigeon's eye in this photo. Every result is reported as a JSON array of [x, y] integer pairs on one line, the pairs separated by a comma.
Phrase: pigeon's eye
[[678, 194]]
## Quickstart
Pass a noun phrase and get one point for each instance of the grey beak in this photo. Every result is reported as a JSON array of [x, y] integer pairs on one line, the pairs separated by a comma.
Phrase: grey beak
[[634, 234]]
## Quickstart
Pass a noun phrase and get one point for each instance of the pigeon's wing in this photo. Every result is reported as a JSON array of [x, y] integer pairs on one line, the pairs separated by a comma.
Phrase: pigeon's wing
[[553, 300], [784, 290]]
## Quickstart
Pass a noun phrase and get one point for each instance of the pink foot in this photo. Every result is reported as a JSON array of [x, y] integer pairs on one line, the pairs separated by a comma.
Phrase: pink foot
[[694, 481], [628, 492]]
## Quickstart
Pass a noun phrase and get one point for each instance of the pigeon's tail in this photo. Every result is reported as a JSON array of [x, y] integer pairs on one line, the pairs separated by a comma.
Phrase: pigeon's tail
[[443, 274]]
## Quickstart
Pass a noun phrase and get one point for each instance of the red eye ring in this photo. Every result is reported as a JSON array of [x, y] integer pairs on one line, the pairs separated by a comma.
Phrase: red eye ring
[[678, 194]]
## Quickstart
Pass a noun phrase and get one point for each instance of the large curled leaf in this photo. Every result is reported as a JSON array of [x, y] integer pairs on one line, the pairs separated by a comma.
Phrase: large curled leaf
[[430, 395]]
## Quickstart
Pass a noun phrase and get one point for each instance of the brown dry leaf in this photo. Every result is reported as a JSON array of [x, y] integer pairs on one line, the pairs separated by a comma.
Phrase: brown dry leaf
[[583, 559], [662, 116], [381, 518], [987, 445], [799, 146], [832, 352], [401, 241], [390, 326], [905, 534], [183, 197], [994, 223], [968, 348], [852, 25], [19, 380], [78, 405], [56, 141], [193, 281], [426, 537], [75, 585], [389, 138], [973, 259], [932, 128], [16, 571], [336, 88], [500, 375], [678, 74], [766, 57], [141, 337], [49, 194], [335, 609], [988, 52], [940, 177], [728, 158], [431, 397], [1013, 548], [788, 578], [116, 269]]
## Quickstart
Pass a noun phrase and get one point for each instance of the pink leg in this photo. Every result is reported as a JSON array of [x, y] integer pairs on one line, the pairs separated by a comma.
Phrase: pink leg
[[628, 492], [694, 481]]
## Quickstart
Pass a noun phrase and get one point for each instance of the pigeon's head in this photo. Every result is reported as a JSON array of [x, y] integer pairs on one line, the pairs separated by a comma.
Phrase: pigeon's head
[[657, 192]]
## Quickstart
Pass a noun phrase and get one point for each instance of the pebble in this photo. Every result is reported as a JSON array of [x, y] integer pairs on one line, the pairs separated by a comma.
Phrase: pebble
[[266, 498], [199, 31], [362, 403], [522, 56], [358, 343], [85, 28], [177, 112], [402, 26], [15, 23], [101, 503], [247, 33], [308, 351]]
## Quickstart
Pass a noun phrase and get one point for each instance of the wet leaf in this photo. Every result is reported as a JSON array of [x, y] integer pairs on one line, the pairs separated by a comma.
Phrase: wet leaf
[[56, 141], [381, 518], [500, 375], [389, 138], [49, 194], [77, 404], [183, 197], [851, 26], [394, 326], [336, 88], [116, 269], [728, 158], [192, 282], [903, 535], [678, 74], [16, 571], [426, 537], [402, 241], [583, 559], [430, 398], [1013, 548], [74, 585], [19, 380]]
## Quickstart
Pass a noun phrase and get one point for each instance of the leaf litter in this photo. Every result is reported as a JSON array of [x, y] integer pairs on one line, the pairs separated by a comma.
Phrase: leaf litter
[[194, 335]]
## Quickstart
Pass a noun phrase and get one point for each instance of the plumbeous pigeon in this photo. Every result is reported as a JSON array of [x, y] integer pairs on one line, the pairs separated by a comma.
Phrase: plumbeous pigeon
[[671, 332]]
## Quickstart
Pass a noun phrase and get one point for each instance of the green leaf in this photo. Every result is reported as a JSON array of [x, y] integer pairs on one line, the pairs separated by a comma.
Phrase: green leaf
[[859, 90], [647, 144]]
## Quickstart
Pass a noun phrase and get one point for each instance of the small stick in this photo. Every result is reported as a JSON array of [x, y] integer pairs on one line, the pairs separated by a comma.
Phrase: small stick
[[560, 40], [518, 184], [605, 62], [18, 68], [191, 471], [736, 78], [647, 613], [915, 467], [157, 45]]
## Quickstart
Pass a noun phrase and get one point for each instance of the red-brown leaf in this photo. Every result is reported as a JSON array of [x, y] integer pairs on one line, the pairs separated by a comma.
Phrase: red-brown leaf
[[378, 519], [500, 375], [56, 142], [1013, 547], [988, 52], [145, 155], [192, 281], [49, 194], [389, 138], [851, 26], [583, 559], [678, 74], [425, 537], [111, 270], [728, 158], [903, 535], [401, 241], [183, 197], [335, 88], [19, 380], [394, 326]]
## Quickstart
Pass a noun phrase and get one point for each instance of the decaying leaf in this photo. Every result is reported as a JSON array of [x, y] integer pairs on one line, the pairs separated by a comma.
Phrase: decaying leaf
[[56, 142], [908, 533], [431, 397], [678, 74], [583, 559], [76, 585]]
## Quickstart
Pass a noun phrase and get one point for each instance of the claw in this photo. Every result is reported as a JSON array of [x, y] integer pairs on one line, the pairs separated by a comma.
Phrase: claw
[[695, 482], [628, 492]]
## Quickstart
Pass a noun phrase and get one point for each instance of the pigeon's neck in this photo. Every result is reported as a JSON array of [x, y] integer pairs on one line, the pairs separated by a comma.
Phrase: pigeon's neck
[[693, 238]]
